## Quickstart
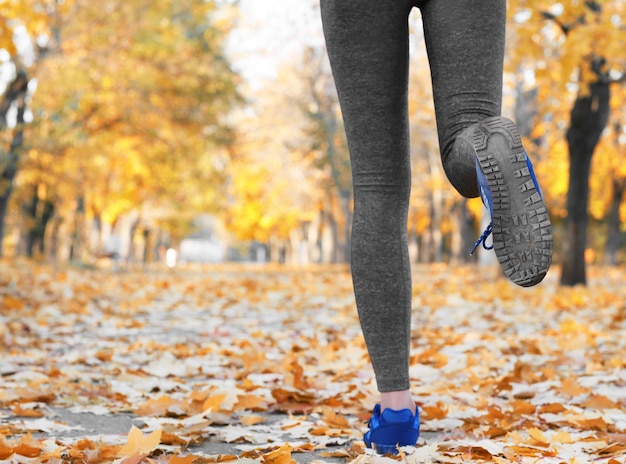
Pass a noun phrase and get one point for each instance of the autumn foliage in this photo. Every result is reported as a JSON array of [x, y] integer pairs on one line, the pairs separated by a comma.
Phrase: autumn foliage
[[232, 364], [129, 118]]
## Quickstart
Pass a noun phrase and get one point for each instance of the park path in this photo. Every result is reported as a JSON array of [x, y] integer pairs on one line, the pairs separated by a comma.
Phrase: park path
[[266, 364]]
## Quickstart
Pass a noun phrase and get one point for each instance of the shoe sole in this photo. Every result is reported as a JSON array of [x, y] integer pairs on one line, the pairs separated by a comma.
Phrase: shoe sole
[[522, 231], [406, 436]]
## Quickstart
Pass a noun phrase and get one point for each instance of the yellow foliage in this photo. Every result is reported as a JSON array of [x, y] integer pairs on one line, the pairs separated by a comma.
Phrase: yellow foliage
[[557, 42], [129, 106]]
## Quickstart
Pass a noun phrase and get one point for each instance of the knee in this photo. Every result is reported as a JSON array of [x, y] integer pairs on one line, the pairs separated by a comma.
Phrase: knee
[[459, 164]]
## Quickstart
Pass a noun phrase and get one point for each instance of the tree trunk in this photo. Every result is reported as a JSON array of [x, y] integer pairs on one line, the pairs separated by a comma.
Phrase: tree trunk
[[39, 214], [15, 93], [30, 211], [426, 248], [46, 216], [334, 233], [76, 240], [345, 197], [146, 246], [53, 248], [464, 235], [614, 236], [436, 206], [131, 258], [588, 119], [6, 189]]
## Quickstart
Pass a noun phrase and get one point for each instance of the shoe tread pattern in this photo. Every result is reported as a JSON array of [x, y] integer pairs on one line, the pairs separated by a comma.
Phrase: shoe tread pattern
[[522, 231]]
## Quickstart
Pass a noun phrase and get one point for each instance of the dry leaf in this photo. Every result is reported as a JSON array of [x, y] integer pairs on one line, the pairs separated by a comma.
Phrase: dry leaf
[[533, 373], [334, 419], [140, 444], [252, 419], [281, 455]]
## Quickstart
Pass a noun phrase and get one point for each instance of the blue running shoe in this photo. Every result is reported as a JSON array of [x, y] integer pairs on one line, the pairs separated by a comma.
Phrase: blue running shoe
[[392, 429], [520, 222]]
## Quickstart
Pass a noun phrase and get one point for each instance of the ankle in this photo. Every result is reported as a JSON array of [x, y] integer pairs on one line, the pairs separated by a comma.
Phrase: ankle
[[397, 400]]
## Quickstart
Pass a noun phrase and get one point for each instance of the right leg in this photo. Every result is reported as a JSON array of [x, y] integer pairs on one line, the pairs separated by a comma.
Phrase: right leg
[[367, 43]]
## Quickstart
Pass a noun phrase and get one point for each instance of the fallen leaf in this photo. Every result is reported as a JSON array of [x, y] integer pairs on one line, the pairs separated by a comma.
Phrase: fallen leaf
[[252, 419], [140, 444], [334, 419], [281, 455]]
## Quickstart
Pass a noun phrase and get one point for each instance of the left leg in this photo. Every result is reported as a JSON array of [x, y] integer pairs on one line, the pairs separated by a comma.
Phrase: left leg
[[465, 45], [481, 151]]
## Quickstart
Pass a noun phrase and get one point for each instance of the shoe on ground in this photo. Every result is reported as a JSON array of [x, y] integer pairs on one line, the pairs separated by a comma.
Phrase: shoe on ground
[[520, 222], [391, 429]]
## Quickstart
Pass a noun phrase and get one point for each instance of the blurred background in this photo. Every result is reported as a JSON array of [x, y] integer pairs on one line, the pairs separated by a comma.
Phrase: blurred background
[[209, 131]]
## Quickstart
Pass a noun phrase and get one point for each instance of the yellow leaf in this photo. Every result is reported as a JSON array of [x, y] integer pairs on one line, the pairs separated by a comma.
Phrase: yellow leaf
[[214, 402], [281, 455], [252, 419], [249, 402], [138, 443], [562, 437], [572, 387], [538, 438]]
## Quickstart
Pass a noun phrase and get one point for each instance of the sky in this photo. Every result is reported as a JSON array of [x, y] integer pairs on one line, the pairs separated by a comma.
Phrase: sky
[[270, 31]]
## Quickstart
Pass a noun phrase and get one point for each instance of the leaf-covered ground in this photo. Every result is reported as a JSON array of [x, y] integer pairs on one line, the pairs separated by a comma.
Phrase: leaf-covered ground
[[267, 365]]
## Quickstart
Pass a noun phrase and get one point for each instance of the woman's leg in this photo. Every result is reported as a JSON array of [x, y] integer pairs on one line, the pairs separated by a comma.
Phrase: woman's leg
[[367, 43], [479, 148], [465, 44]]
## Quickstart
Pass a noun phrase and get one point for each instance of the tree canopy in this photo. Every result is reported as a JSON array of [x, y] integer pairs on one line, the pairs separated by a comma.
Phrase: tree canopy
[[133, 107]]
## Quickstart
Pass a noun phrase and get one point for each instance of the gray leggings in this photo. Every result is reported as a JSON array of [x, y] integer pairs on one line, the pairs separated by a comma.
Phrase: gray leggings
[[367, 43]]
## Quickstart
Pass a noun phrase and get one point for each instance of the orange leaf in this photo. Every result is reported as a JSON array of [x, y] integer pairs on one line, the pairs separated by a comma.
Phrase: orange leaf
[[182, 459], [10, 302], [600, 402], [214, 402], [133, 460], [438, 411], [252, 419], [334, 419], [139, 444], [572, 387], [523, 407], [597, 423], [553, 408], [84, 444], [172, 439], [249, 402], [20, 412], [155, 407], [26, 450], [281, 455], [5, 449]]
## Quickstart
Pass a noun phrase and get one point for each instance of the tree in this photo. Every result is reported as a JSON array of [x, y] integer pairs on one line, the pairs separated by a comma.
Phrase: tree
[[271, 190], [131, 110], [575, 45], [328, 147], [19, 20], [608, 180]]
